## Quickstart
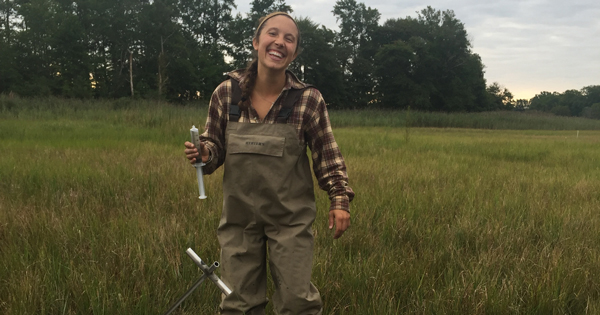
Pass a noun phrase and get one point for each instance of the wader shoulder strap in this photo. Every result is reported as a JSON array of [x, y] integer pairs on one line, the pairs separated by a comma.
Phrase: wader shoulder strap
[[284, 113], [236, 96], [288, 105]]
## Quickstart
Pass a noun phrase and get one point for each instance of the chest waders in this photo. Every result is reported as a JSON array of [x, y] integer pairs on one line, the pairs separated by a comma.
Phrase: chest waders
[[268, 199]]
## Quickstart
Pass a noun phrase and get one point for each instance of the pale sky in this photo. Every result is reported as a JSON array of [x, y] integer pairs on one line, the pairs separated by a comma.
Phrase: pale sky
[[527, 46]]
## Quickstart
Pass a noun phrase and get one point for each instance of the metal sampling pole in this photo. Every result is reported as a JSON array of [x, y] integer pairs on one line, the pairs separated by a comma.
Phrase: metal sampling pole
[[208, 273]]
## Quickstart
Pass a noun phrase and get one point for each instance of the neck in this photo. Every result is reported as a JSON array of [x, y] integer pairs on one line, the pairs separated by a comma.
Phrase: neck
[[269, 82]]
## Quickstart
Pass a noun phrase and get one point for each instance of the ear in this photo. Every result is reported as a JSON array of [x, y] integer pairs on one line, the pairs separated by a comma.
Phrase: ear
[[295, 55], [255, 43], [298, 51]]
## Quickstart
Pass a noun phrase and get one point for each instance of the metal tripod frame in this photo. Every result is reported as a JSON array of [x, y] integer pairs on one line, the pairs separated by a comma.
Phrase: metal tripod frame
[[208, 273]]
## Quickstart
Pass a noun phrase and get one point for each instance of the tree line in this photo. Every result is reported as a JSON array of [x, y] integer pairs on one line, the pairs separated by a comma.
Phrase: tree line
[[584, 102], [179, 50]]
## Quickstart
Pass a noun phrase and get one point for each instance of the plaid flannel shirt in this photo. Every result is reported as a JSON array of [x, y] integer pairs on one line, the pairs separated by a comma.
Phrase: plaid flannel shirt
[[311, 120]]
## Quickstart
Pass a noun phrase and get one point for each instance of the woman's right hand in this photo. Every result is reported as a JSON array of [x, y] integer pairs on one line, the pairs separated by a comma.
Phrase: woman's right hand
[[192, 153]]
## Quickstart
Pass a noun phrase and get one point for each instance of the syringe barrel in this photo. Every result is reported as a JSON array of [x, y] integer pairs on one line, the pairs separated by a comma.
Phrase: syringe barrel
[[199, 174], [196, 141]]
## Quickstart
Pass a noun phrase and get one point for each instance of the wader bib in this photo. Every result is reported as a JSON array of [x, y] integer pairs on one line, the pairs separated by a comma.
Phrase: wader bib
[[268, 198]]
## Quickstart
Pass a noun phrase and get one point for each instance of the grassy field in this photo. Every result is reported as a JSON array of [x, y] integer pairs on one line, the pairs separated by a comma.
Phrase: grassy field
[[98, 205]]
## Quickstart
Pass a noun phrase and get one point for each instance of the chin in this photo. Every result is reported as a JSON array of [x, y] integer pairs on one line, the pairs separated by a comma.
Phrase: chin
[[275, 67]]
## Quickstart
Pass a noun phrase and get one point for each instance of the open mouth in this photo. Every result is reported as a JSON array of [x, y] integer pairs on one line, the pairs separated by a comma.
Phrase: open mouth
[[276, 54]]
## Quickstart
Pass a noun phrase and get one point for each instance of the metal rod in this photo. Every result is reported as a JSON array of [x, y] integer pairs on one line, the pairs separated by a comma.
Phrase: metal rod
[[198, 283], [208, 272]]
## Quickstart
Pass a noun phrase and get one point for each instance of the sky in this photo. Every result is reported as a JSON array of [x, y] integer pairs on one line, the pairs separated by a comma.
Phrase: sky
[[527, 46]]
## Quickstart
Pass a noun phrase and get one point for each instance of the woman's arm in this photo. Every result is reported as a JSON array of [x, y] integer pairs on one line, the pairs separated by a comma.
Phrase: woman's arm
[[212, 140], [328, 163]]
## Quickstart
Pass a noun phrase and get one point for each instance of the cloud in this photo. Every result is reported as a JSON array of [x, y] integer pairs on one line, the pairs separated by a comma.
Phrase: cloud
[[528, 46]]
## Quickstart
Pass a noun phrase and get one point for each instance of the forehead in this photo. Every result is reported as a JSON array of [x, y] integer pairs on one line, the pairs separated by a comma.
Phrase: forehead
[[281, 22]]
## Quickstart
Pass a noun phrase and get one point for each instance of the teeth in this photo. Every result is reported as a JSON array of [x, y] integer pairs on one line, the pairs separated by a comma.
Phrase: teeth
[[277, 54]]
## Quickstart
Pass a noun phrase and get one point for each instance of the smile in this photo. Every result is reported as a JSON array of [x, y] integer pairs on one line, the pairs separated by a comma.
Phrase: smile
[[275, 53]]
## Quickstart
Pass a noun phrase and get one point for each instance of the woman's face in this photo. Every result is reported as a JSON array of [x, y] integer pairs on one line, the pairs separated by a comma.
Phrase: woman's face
[[276, 43]]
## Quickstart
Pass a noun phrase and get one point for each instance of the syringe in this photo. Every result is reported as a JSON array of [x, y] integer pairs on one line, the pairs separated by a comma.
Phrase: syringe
[[199, 164]]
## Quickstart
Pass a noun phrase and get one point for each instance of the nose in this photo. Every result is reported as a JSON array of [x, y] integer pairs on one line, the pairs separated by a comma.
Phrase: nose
[[279, 41]]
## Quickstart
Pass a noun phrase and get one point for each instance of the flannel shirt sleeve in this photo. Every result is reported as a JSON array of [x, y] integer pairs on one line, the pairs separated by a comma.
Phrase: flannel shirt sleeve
[[216, 124], [328, 164]]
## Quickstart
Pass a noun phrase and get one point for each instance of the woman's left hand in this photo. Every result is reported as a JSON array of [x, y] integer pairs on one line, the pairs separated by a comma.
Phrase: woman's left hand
[[341, 220]]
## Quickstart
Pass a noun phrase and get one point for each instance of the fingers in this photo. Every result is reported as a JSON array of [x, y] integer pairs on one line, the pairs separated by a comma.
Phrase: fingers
[[341, 219], [331, 219], [191, 153], [340, 227], [204, 151]]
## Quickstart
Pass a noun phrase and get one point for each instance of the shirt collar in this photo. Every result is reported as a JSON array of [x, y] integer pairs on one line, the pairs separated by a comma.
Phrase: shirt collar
[[292, 82]]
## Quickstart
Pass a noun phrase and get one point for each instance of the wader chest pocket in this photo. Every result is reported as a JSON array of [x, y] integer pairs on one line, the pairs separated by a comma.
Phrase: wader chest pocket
[[256, 144]]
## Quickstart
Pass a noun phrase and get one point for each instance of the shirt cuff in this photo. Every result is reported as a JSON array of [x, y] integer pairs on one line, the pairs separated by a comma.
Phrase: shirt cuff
[[340, 203], [209, 166]]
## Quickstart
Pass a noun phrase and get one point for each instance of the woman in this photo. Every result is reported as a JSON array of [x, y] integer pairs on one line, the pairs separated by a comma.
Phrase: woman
[[267, 184]]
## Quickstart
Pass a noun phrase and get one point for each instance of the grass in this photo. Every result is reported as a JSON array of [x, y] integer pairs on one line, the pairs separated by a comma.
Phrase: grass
[[478, 222], [485, 120], [98, 205], [149, 114]]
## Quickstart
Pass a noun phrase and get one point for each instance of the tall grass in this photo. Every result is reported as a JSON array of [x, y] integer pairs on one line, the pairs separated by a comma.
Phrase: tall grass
[[97, 207], [485, 120], [146, 113], [475, 222]]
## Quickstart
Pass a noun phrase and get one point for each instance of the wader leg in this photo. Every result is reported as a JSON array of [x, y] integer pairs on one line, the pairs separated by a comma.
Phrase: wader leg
[[243, 269], [291, 255]]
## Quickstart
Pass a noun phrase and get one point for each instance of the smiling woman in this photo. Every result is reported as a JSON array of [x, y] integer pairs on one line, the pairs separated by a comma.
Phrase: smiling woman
[[276, 43], [259, 125]]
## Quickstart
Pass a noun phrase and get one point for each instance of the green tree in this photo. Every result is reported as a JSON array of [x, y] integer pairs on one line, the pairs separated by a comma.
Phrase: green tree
[[438, 70], [32, 47], [455, 72], [315, 64], [214, 19], [9, 74], [561, 110], [578, 102], [574, 100], [398, 87], [544, 101], [84, 48], [399, 65], [358, 23], [159, 40], [70, 60], [7, 17], [500, 98], [207, 20], [521, 104], [120, 39], [592, 112], [110, 32], [595, 109], [260, 8], [591, 94]]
